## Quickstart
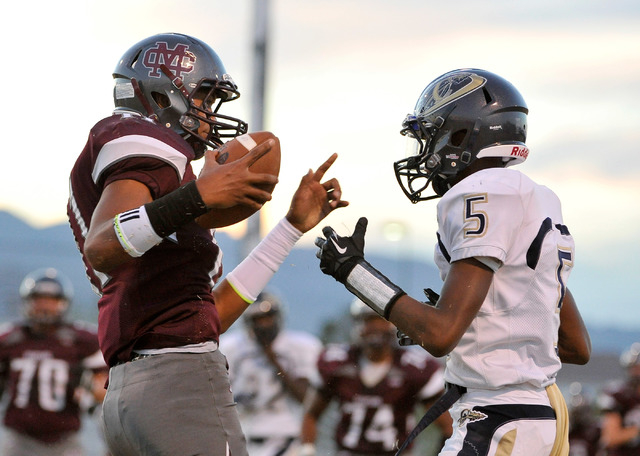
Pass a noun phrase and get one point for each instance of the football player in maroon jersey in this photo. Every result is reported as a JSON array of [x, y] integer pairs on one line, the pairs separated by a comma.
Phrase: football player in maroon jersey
[[144, 225], [584, 426], [42, 361], [377, 385], [620, 406]]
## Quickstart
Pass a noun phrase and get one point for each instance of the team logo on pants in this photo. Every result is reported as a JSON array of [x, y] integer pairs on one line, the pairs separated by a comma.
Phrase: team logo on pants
[[470, 416]]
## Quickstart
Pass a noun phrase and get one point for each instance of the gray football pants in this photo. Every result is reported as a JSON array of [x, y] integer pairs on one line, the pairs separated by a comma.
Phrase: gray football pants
[[174, 404]]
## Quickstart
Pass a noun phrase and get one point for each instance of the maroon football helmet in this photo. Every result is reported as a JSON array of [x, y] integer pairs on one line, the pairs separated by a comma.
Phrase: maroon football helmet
[[180, 81], [370, 330], [46, 294]]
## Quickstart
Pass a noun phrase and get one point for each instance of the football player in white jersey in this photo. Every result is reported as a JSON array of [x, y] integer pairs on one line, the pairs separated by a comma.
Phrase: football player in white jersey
[[505, 317], [270, 369]]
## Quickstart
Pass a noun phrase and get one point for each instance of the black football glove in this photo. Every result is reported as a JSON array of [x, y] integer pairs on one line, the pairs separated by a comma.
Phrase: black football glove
[[343, 259], [339, 254]]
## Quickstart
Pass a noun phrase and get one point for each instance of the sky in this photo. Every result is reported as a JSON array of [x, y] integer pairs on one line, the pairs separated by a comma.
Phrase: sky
[[342, 75]]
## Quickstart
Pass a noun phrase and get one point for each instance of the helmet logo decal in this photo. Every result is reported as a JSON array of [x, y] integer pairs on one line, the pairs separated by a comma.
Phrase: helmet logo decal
[[179, 59], [520, 151], [448, 90]]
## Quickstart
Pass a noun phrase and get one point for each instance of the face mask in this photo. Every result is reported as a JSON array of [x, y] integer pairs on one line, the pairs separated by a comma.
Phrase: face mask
[[265, 335], [377, 340]]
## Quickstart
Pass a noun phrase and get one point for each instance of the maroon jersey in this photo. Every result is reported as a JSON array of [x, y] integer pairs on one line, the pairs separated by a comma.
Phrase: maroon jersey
[[374, 420], [163, 298], [584, 441], [584, 430], [41, 372], [622, 398]]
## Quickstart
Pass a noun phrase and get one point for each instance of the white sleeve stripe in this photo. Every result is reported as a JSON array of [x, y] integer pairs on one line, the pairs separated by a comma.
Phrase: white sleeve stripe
[[137, 146]]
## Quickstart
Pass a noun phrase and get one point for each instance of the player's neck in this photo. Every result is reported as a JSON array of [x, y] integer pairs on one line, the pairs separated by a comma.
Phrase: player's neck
[[378, 356], [372, 372]]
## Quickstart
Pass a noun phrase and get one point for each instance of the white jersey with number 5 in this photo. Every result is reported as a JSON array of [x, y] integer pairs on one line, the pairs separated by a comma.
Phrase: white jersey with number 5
[[515, 226]]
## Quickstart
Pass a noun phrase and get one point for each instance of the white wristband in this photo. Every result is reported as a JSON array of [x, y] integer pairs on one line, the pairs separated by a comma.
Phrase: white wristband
[[373, 288], [250, 277], [134, 231]]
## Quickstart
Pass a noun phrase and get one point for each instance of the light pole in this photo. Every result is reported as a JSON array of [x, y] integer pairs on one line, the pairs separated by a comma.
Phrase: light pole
[[256, 122]]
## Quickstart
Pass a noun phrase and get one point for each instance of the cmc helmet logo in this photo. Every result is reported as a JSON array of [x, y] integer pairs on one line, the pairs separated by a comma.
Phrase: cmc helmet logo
[[179, 59], [518, 151]]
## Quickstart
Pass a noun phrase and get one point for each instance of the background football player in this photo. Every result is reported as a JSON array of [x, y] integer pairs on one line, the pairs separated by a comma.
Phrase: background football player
[[43, 361], [584, 423], [270, 368], [620, 406], [376, 386]]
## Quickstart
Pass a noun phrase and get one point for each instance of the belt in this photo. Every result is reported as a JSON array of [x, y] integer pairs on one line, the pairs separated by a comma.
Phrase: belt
[[135, 357]]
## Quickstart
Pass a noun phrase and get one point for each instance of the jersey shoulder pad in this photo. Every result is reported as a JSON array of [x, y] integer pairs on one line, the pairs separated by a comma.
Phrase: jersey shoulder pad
[[302, 339], [11, 333], [332, 357], [6, 327], [418, 361], [84, 326]]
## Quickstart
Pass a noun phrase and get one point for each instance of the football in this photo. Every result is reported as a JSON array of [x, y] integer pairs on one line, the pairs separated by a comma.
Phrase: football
[[269, 163]]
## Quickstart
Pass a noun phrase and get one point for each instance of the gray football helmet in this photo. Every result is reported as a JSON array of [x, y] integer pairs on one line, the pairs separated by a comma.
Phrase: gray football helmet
[[461, 116], [375, 339], [631, 356], [161, 76], [50, 283], [264, 330]]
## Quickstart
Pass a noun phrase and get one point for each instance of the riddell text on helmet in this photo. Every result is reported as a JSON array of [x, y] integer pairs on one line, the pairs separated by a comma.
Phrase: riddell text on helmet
[[519, 151]]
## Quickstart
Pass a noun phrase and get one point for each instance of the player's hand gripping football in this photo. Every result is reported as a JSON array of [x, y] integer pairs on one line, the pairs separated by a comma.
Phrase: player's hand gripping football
[[314, 200], [231, 184], [339, 254]]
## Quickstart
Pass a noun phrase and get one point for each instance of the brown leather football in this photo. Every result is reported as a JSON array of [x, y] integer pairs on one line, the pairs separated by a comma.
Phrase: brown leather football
[[269, 163]]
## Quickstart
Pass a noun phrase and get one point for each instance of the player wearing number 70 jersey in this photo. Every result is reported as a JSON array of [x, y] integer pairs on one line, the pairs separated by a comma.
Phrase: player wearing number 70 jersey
[[42, 362], [505, 317]]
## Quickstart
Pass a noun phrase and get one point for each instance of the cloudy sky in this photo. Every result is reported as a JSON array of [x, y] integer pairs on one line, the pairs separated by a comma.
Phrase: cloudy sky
[[342, 76]]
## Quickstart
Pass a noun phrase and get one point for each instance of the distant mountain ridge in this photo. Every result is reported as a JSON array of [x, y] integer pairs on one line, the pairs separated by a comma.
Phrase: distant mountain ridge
[[312, 299]]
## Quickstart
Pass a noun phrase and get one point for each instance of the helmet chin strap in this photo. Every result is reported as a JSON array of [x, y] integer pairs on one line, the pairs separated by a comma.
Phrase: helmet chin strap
[[440, 186], [143, 99]]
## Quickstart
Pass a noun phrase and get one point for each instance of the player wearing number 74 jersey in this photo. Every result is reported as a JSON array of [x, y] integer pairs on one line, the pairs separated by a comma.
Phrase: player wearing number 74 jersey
[[505, 318]]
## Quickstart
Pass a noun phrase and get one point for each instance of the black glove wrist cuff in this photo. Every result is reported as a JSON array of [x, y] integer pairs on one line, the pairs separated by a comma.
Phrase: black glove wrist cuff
[[170, 212], [373, 288], [345, 269]]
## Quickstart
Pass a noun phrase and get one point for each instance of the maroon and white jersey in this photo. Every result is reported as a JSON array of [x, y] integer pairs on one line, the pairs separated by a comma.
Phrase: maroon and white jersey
[[583, 440], [40, 374], [375, 419], [163, 298], [624, 399]]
